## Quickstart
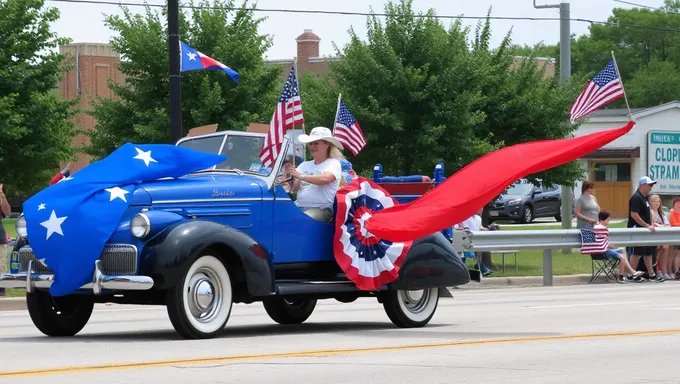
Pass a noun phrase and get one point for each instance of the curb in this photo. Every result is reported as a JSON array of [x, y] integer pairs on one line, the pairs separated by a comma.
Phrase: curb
[[526, 281], [13, 304]]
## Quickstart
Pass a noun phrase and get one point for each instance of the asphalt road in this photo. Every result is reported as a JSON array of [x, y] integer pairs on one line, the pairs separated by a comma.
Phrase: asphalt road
[[574, 334]]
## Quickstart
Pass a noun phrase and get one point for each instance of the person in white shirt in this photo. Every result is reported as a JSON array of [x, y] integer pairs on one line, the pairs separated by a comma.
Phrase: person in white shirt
[[474, 223], [316, 181]]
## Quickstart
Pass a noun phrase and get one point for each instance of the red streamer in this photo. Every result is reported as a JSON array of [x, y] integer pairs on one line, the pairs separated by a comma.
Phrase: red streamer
[[474, 186]]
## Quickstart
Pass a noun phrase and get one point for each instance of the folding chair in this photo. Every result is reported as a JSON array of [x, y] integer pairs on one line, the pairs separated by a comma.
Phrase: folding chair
[[603, 267], [600, 265]]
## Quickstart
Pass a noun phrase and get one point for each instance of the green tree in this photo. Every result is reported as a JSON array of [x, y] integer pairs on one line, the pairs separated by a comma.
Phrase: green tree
[[140, 110], [636, 49], [36, 125], [425, 93], [654, 84]]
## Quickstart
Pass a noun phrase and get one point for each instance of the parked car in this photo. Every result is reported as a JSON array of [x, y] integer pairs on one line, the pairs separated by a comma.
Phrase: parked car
[[524, 202], [228, 234]]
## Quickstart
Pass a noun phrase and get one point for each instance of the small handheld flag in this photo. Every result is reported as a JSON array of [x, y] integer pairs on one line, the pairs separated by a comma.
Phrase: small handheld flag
[[193, 60], [69, 223]]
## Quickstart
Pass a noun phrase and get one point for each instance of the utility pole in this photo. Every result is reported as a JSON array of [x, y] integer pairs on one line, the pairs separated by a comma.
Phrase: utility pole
[[175, 77], [565, 72]]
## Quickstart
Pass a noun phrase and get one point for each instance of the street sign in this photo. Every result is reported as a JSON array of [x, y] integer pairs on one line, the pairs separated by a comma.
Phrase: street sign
[[663, 161]]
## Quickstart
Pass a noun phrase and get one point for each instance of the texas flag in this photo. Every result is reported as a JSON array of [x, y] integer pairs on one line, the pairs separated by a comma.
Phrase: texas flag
[[193, 60]]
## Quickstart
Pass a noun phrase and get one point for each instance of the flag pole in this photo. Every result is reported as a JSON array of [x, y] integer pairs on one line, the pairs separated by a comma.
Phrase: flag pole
[[630, 114], [337, 110], [297, 80]]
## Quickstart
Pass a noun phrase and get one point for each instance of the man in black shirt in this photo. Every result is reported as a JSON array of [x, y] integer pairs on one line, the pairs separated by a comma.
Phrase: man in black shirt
[[640, 216]]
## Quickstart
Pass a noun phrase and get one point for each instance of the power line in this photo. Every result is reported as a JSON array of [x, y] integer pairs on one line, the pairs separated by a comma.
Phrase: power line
[[646, 6], [347, 13]]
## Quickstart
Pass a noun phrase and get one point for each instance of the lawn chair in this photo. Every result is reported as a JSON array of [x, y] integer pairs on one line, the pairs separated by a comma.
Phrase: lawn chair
[[600, 265], [603, 267]]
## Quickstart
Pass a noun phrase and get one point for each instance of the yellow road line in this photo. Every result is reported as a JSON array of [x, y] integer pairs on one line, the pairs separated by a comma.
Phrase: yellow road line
[[323, 353]]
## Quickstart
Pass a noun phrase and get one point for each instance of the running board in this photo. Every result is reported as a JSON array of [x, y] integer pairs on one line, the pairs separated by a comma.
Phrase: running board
[[302, 287]]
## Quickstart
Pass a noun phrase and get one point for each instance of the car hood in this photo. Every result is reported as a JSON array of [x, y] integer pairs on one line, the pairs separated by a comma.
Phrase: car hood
[[201, 187], [506, 198]]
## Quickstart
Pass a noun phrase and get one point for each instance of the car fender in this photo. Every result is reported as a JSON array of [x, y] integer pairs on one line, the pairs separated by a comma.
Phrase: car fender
[[431, 262], [168, 255]]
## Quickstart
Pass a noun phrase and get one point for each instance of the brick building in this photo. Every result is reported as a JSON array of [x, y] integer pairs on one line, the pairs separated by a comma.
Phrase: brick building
[[95, 64]]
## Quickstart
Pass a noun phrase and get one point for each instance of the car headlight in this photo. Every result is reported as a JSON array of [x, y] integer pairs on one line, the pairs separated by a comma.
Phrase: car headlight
[[140, 225], [514, 202], [20, 226]]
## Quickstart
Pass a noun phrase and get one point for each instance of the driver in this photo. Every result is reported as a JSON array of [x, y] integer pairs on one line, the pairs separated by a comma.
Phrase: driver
[[316, 181]]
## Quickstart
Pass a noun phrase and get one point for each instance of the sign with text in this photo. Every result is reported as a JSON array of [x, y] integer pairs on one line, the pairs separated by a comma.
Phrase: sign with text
[[663, 161]]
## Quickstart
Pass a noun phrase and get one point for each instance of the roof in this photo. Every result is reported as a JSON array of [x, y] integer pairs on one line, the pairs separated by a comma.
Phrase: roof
[[621, 114], [615, 112], [614, 153]]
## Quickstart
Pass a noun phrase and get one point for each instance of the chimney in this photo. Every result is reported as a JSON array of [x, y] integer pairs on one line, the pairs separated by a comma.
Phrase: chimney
[[307, 46]]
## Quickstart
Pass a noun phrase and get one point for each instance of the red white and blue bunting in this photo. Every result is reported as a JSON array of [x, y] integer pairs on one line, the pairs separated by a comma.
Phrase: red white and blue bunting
[[366, 260]]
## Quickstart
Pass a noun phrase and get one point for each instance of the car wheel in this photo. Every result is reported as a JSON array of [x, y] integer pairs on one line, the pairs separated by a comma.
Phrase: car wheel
[[411, 309], [289, 311], [528, 215], [200, 305], [59, 316]]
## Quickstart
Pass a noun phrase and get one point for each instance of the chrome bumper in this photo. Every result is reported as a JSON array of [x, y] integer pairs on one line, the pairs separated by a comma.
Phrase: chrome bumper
[[31, 280]]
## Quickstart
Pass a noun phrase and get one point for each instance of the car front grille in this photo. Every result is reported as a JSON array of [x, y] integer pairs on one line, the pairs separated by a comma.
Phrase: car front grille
[[117, 259]]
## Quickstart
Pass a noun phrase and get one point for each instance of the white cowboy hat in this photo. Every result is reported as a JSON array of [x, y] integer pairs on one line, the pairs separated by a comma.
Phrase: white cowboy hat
[[320, 133]]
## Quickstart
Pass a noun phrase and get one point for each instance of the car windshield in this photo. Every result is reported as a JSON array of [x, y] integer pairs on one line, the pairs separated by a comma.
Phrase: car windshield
[[243, 152], [519, 189]]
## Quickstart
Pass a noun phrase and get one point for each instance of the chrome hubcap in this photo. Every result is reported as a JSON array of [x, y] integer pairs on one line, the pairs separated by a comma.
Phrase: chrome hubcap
[[415, 301], [204, 295]]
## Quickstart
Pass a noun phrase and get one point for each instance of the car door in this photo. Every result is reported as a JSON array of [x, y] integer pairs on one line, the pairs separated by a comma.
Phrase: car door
[[540, 204], [551, 200]]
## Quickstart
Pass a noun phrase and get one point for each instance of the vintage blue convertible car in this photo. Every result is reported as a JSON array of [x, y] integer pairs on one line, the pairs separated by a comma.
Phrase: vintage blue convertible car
[[232, 234]]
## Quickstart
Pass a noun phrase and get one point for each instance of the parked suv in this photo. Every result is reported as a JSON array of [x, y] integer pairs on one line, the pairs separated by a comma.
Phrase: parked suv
[[525, 202]]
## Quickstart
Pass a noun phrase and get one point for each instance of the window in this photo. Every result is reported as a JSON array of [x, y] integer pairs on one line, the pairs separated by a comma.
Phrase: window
[[611, 172]]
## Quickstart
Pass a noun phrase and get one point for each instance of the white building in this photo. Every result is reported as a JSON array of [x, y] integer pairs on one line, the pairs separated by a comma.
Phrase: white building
[[616, 168]]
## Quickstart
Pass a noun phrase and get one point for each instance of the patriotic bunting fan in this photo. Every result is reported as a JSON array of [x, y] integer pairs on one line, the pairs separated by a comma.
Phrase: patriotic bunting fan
[[368, 261]]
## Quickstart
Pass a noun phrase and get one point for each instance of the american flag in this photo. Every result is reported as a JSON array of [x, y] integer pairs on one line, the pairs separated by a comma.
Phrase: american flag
[[594, 241], [287, 115], [348, 131], [602, 89]]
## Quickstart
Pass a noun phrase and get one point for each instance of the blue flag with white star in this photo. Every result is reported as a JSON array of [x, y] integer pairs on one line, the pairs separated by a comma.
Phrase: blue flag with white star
[[69, 223]]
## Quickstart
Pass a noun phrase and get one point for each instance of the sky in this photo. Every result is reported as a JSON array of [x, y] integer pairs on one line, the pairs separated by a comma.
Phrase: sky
[[85, 22]]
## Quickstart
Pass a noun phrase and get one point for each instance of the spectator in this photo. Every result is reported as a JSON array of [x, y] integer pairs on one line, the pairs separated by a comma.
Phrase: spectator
[[474, 223], [640, 216], [626, 272], [5, 210], [348, 173], [659, 220], [674, 253], [586, 208]]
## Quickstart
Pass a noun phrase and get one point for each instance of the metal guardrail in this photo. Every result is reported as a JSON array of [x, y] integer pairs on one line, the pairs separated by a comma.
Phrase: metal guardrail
[[551, 239]]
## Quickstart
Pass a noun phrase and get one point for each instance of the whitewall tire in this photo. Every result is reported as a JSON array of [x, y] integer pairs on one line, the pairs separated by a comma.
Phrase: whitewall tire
[[411, 309], [200, 305]]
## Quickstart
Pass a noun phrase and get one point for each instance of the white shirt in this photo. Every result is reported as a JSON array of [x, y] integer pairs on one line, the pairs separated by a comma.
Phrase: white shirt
[[318, 196], [473, 223]]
